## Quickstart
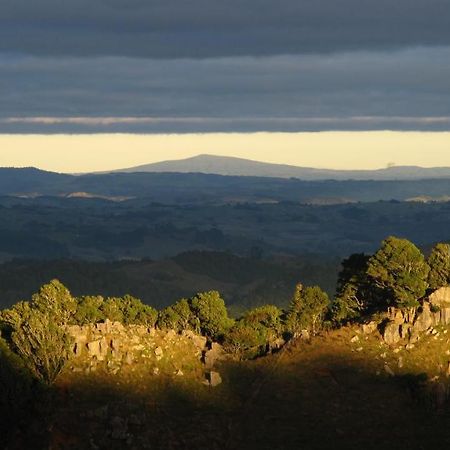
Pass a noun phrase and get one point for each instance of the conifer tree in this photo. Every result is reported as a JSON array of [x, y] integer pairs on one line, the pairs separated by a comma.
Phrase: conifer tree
[[400, 271], [439, 262]]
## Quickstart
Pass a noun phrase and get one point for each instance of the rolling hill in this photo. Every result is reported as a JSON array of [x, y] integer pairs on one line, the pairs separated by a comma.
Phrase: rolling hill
[[224, 165]]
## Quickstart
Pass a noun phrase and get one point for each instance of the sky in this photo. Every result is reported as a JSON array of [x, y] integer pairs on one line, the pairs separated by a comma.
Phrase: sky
[[338, 150], [140, 67]]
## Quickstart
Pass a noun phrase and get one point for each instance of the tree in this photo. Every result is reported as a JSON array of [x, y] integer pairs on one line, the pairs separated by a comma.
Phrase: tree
[[128, 310], [353, 294], [257, 328], [439, 262], [42, 344], [307, 310], [177, 317], [55, 300], [211, 314], [400, 271], [36, 330], [89, 310]]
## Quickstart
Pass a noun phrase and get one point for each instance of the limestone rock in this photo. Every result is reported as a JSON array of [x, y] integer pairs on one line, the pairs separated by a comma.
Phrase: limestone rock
[[95, 349], [159, 352], [369, 328], [424, 319], [304, 334], [391, 333], [405, 330], [396, 315], [213, 378], [388, 370], [214, 354], [440, 297]]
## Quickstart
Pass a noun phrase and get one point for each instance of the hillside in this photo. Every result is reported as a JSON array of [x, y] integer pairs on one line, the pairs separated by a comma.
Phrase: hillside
[[205, 188], [244, 282], [231, 166], [310, 394]]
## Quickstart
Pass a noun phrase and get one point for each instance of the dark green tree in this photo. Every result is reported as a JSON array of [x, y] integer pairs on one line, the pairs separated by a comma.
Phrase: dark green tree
[[36, 330], [211, 314], [439, 262], [178, 317], [55, 300], [89, 310], [128, 310], [251, 334], [307, 310], [400, 271], [353, 293]]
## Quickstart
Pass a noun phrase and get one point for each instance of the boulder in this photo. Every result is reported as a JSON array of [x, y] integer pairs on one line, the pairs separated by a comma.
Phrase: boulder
[[159, 352], [405, 330], [444, 316], [395, 315], [370, 327], [213, 378], [424, 319], [304, 334], [214, 354], [391, 333], [95, 350], [115, 344], [440, 297], [388, 370]]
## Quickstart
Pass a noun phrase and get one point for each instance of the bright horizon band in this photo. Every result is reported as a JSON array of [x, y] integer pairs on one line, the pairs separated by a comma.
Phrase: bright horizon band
[[328, 149]]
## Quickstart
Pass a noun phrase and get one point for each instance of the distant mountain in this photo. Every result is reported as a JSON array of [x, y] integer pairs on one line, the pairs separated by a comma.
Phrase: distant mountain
[[225, 165], [201, 188]]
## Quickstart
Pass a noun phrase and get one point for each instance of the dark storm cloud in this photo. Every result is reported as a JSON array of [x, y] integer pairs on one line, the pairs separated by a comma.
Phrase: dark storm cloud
[[407, 89], [210, 28]]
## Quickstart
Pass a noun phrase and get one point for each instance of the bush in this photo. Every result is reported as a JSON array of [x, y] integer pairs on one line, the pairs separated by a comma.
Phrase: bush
[[254, 331], [307, 310], [89, 310], [400, 271], [178, 317], [128, 310], [353, 293], [36, 330], [210, 314], [439, 262]]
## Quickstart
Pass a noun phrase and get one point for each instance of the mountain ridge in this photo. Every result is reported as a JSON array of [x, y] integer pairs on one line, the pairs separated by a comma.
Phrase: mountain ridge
[[233, 166]]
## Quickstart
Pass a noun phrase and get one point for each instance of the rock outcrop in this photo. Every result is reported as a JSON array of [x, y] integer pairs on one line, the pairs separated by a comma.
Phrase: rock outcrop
[[113, 346], [409, 324]]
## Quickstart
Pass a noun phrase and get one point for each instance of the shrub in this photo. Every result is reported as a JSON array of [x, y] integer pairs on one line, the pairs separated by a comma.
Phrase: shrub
[[128, 310], [177, 317], [400, 271], [89, 310], [307, 310], [210, 314], [254, 331], [439, 262]]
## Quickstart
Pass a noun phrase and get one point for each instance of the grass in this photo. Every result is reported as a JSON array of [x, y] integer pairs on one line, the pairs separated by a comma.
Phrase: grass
[[332, 392]]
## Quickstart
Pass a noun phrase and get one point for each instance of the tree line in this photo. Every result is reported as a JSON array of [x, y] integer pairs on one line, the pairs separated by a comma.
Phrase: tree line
[[398, 274]]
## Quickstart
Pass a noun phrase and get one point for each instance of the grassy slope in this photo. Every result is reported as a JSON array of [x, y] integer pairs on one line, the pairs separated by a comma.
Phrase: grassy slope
[[323, 394]]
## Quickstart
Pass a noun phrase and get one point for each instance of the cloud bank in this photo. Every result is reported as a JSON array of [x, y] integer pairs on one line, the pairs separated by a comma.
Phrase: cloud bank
[[214, 28], [402, 90]]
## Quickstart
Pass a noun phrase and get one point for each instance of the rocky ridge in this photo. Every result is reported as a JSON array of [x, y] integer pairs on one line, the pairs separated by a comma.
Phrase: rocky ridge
[[112, 346]]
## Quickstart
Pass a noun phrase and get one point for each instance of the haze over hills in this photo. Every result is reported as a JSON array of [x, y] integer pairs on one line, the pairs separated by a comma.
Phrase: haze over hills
[[205, 188], [231, 166]]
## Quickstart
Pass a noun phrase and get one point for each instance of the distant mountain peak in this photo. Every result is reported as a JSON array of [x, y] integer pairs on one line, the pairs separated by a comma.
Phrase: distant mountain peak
[[235, 166]]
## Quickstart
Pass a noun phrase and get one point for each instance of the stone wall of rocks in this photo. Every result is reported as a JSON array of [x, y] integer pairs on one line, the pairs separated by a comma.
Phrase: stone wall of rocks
[[112, 345], [408, 325]]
